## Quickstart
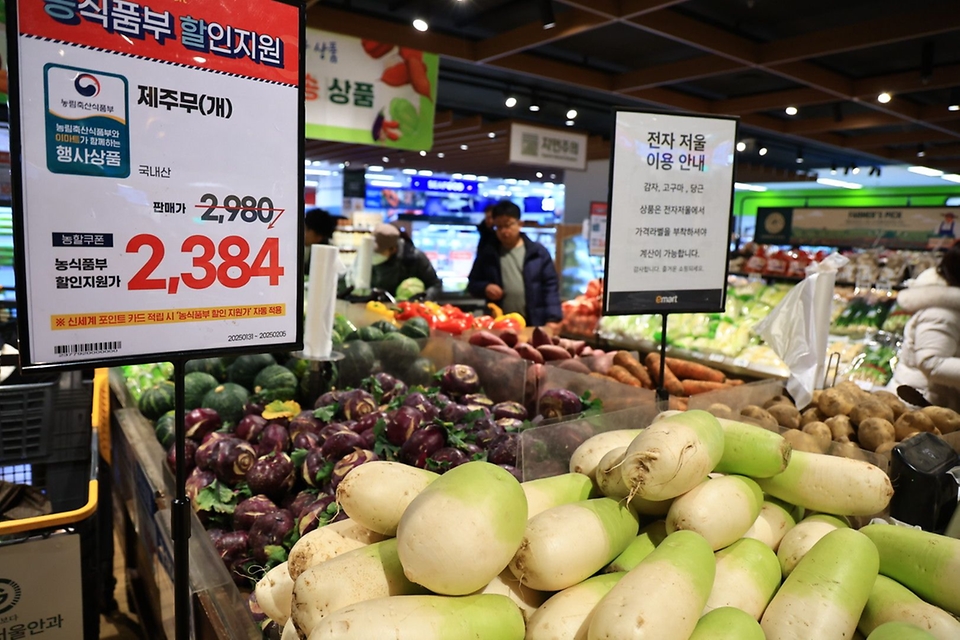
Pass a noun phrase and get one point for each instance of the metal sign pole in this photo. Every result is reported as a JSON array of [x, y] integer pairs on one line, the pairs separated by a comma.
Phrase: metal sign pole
[[180, 514], [663, 396]]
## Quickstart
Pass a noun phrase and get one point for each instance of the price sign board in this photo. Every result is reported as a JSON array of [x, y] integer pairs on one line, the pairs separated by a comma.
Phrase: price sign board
[[669, 220], [159, 184]]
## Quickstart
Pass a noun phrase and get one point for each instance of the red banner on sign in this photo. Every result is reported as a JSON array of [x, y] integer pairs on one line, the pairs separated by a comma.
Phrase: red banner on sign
[[248, 39]]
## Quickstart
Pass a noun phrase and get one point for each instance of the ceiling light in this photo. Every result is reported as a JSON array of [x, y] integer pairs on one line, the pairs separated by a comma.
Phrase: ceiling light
[[856, 170], [420, 25], [830, 182], [741, 146], [422, 153], [306, 163], [884, 98], [921, 150], [539, 174], [425, 173], [482, 178], [553, 176], [833, 168], [491, 135], [951, 177], [791, 110], [311, 183], [385, 159], [799, 156], [546, 14], [762, 151], [440, 155], [374, 168], [954, 107], [317, 163], [743, 186], [570, 123], [457, 176], [469, 177], [534, 107], [925, 171], [345, 163], [571, 114], [410, 172], [510, 102], [463, 147]]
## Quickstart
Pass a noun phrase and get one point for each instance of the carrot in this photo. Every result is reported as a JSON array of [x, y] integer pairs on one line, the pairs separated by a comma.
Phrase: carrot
[[734, 382], [679, 404], [637, 370], [695, 370], [670, 381], [693, 387], [620, 374]]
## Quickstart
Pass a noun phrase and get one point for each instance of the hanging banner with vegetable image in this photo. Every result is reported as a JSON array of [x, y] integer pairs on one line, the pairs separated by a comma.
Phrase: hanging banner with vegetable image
[[369, 92], [157, 163]]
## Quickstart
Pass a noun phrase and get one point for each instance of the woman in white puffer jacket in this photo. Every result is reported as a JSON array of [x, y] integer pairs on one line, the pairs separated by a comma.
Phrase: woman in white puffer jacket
[[930, 356]]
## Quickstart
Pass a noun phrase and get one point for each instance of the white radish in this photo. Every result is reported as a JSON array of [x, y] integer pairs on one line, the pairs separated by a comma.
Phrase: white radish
[[752, 451], [483, 617], [373, 571], [289, 631], [926, 563], [609, 479], [274, 591], [899, 631], [772, 524], [328, 542], [831, 484], [544, 493], [567, 544], [720, 509], [587, 456], [673, 455], [476, 511], [639, 548], [662, 597], [567, 614], [376, 494], [801, 538], [353, 530], [825, 594], [890, 601], [727, 623], [526, 599], [748, 575]]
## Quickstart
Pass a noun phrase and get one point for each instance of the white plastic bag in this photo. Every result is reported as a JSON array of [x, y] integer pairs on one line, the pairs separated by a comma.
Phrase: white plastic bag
[[797, 329]]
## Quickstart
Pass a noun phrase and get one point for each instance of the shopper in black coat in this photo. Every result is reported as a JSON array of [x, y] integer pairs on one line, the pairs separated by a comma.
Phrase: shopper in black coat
[[536, 293]]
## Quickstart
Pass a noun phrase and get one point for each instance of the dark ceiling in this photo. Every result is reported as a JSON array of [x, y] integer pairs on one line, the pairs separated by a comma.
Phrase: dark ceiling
[[750, 58]]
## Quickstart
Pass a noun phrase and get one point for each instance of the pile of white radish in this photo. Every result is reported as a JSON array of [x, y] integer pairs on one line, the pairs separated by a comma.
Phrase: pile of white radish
[[692, 528]]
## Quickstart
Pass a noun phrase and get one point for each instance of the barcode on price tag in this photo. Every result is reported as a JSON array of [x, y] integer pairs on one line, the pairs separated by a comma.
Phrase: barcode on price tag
[[87, 347]]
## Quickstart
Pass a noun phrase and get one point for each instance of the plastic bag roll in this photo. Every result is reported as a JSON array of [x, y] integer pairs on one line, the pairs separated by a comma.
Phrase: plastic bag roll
[[321, 301], [363, 264]]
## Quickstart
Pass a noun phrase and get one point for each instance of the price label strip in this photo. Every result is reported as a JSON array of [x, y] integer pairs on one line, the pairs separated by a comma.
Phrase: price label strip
[[161, 210]]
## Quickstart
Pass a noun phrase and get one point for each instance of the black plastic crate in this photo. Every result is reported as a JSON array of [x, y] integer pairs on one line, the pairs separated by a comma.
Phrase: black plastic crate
[[71, 420], [26, 417]]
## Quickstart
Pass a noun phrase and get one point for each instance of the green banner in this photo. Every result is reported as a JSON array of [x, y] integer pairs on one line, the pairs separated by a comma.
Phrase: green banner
[[369, 92]]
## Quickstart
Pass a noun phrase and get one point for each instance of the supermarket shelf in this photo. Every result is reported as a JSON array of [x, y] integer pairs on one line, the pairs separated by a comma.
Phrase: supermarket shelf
[[793, 279]]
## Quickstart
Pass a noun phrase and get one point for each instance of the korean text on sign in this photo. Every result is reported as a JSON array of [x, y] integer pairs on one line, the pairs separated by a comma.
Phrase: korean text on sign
[[666, 152]]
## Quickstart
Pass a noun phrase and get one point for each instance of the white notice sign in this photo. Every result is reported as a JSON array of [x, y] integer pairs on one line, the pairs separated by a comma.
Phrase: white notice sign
[[161, 177], [670, 211], [544, 147]]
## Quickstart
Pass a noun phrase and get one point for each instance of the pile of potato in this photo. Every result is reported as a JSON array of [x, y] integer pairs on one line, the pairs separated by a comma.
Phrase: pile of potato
[[845, 419]]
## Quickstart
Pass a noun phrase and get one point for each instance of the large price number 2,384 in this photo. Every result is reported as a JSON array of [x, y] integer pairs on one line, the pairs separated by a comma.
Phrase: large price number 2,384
[[233, 271]]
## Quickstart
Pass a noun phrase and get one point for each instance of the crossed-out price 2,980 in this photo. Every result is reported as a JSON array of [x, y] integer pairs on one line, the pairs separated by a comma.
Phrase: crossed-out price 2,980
[[234, 271], [248, 208]]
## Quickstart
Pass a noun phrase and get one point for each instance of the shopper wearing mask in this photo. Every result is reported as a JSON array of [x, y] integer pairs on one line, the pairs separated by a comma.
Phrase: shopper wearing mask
[[516, 273], [395, 259], [930, 356]]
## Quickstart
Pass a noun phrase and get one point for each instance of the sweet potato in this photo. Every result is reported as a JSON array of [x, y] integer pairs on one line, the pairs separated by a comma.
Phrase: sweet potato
[[509, 337], [504, 349], [670, 381], [553, 352], [540, 338], [486, 339], [573, 365], [695, 370], [626, 360], [528, 352]]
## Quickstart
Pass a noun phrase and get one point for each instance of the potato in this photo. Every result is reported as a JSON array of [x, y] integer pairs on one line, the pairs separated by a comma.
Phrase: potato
[[912, 422], [841, 427], [821, 432], [815, 398], [721, 410], [848, 450], [871, 409], [892, 401], [873, 432], [760, 416], [778, 400], [834, 402], [786, 415], [853, 390], [811, 414], [886, 449], [802, 441], [946, 420]]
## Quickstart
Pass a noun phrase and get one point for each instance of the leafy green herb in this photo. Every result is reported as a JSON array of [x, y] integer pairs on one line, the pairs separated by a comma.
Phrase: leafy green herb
[[276, 553], [298, 456], [217, 497], [325, 414]]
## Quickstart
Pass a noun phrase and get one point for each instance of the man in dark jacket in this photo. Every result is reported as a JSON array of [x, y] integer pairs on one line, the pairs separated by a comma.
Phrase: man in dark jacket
[[487, 233], [517, 274], [395, 259]]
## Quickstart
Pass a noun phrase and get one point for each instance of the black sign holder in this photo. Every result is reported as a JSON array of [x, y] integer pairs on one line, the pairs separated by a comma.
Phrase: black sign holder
[[663, 396]]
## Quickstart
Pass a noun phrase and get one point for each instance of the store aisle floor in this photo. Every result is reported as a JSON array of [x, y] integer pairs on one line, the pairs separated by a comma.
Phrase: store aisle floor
[[122, 624]]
